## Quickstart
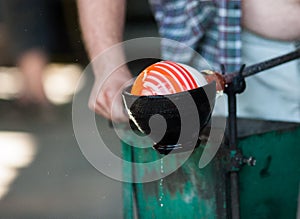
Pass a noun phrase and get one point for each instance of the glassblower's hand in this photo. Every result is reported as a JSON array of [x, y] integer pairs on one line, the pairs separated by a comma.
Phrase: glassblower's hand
[[105, 98]]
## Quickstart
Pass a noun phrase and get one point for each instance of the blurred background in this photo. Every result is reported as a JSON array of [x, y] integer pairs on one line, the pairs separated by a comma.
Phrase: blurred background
[[43, 173]]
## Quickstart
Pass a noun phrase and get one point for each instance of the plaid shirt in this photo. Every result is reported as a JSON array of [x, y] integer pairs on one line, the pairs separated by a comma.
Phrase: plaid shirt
[[212, 28]]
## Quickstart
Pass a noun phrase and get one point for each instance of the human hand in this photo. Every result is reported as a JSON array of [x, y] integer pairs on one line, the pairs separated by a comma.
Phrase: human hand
[[105, 98]]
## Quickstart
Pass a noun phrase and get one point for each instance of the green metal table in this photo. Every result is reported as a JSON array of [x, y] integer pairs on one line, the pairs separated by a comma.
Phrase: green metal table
[[268, 190]]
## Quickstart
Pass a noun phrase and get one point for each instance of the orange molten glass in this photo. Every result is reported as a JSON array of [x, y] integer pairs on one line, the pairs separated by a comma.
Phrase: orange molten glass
[[167, 77]]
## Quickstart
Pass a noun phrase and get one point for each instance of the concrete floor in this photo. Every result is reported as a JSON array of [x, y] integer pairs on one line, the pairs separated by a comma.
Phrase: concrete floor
[[60, 182]]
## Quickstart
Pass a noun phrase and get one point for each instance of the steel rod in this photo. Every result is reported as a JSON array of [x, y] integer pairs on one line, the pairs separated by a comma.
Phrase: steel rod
[[234, 188], [259, 67]]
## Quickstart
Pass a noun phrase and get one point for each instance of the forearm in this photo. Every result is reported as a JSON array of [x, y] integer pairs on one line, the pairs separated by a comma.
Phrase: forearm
[[102, 24]]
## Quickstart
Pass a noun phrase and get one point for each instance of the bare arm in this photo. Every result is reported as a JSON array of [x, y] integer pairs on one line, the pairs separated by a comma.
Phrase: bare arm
[[102, 23]]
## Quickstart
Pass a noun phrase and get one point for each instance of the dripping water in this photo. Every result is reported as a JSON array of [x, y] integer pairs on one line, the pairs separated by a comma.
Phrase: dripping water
[[161, 187]]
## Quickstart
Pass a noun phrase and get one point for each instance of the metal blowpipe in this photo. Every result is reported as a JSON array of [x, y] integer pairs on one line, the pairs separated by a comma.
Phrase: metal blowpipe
[[256, 68]]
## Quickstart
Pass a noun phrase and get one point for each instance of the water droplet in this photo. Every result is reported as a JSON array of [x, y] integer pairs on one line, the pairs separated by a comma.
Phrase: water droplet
[[161, 166], [161, 187]]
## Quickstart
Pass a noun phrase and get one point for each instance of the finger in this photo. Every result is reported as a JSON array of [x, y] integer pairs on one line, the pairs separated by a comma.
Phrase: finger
[[103, 108], [96, 105], [116, 107], [117, 112], [100, 110]]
